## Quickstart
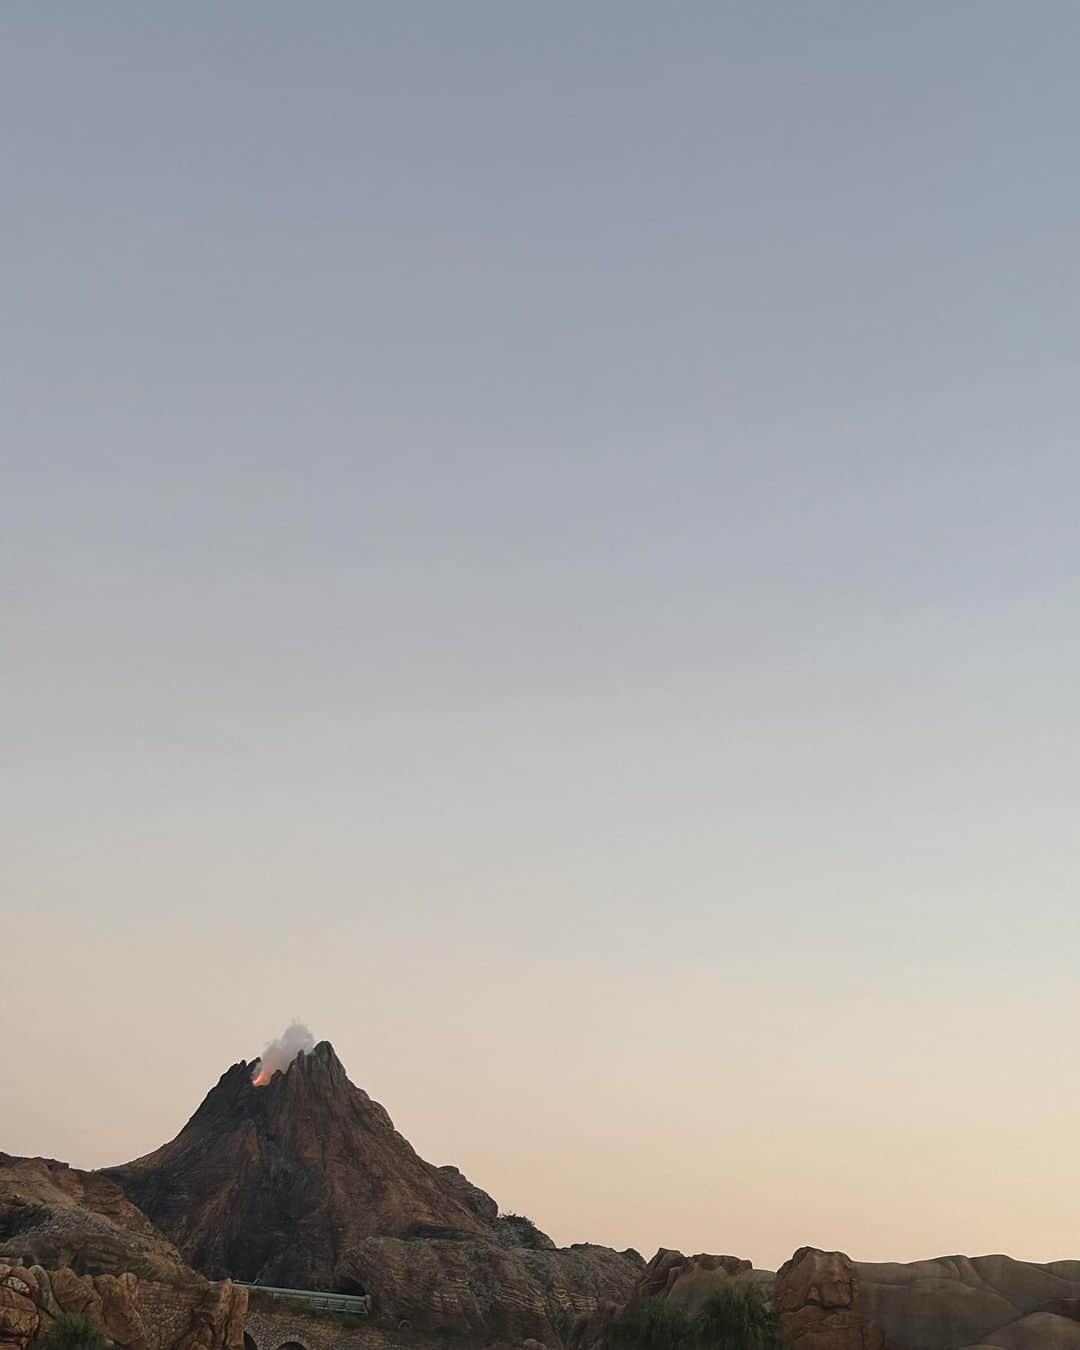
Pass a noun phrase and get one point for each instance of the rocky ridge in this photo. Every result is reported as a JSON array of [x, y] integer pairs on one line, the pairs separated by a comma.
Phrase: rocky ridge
[[826, 1301], [961, 1302], [54, 1215]]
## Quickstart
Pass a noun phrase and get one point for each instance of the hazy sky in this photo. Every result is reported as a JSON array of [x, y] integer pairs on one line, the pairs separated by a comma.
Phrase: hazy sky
[[542, 540]]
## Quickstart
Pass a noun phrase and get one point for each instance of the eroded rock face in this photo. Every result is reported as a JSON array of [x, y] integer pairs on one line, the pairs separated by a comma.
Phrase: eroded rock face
[[217, 1320], [478, 1288], [19, 1312], [55, 1216], [120, 1314], [817, 1296], [274, 1183], [75, 1293], [134, 1315]]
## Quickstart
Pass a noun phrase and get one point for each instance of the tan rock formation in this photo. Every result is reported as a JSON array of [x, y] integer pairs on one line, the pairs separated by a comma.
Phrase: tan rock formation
[[55, 1216], [958, 1301], [217, 1320], [817, 1296], [688, 1282], [119, 1309], [75, 1293], [19, 1314], [134, 1315], [46, 1299]]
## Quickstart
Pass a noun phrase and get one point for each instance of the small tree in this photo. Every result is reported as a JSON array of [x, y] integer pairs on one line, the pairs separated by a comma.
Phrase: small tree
[[74, 1331]]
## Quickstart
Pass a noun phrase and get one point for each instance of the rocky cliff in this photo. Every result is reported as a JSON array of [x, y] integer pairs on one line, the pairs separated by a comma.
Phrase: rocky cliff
[[485, 1291]]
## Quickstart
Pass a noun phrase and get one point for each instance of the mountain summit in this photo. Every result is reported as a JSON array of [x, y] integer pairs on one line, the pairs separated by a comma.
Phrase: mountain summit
[[280, 1183]]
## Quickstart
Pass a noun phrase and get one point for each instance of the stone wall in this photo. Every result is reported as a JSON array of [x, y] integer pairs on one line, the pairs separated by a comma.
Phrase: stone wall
[[271, 1330], [165, 1311]]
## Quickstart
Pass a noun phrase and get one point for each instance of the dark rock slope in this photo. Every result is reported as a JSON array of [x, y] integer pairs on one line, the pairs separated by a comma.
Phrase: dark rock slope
[[278, 1183]]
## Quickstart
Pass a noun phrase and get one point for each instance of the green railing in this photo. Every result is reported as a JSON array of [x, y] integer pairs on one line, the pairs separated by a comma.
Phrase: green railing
[[359, 1305]]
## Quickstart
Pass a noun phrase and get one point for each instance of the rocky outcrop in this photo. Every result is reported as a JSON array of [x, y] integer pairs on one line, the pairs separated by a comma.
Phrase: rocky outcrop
[[828, 1302], [217, 1319], [72, 1293], [56, 1216], [275, 1183], [472, 1288], [134, 1315], [956, 1302], [817, 1296], [20, 1313], [687, 1282], [120, 1314]]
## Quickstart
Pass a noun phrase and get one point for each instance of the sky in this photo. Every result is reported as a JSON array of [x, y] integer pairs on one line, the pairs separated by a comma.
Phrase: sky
[[541, 540]]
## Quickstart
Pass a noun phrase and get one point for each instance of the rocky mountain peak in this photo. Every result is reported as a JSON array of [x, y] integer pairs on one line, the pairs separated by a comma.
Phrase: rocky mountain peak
[[279, 1182]]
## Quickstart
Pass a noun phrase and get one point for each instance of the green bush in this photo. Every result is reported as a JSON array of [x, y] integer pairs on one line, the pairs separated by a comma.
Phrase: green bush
[[73, 1331], [509, 1216], [735, 1318], [738, 1318], [652, 1325]]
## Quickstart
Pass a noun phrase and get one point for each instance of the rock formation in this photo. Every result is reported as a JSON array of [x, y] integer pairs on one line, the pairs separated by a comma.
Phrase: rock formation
[[817, 1296], [275, 1184], [828, 1302], [486, 1290], [54, 1215], [959, 1302], [305, 1183], [687, 1282], [133, 1314]]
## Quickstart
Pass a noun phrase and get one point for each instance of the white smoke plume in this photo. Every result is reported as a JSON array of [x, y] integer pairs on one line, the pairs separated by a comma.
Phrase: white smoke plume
[[279, 1054]]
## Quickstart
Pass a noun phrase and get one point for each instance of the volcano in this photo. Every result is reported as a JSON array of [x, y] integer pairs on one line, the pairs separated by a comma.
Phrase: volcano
[[279, 1184]]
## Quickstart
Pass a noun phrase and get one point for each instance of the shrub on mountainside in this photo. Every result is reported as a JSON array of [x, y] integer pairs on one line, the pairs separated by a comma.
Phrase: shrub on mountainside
[[652, 1324], [74, 1331], [736, 1318]]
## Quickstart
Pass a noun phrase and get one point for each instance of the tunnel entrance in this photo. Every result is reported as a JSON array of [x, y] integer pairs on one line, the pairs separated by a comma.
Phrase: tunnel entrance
[[348, 1285], [249, 1342]]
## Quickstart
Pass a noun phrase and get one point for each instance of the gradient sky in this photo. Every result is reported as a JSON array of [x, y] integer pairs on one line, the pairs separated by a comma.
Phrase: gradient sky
[[542, 540]]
